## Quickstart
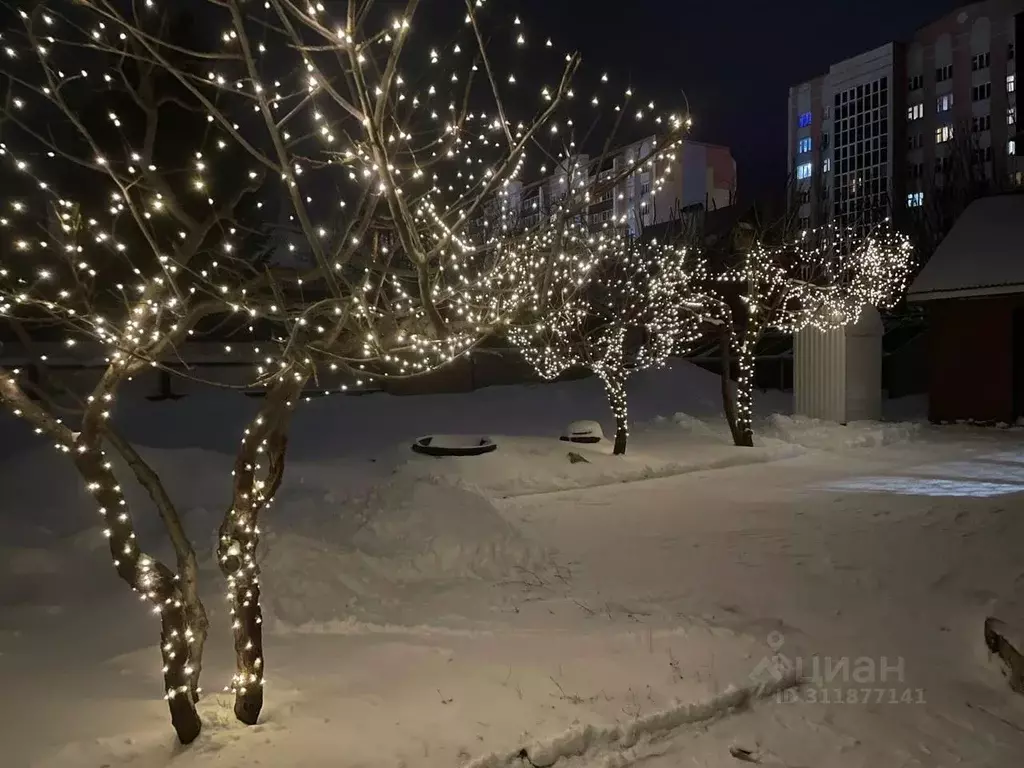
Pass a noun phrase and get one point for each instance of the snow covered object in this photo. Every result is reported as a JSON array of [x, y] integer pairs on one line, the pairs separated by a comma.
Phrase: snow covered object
[[583, 432], [454, 445]]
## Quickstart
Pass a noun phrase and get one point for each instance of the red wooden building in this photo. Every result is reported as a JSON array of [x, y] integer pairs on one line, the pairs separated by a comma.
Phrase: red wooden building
[[973, 292]]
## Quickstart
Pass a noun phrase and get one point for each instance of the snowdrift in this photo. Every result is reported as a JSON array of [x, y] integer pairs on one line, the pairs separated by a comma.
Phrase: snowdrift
[[529, 465], [327, 558], [829, 436], [361, 521]]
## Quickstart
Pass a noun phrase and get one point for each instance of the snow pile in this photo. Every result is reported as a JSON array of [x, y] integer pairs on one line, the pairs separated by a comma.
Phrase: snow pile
[[361, 522], [327, 558], [528, 465], [346, 536], [830, 436], [713, 430]]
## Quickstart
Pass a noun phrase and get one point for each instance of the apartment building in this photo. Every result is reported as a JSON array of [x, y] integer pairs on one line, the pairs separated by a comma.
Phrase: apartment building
[[695, 175], [870, 137]]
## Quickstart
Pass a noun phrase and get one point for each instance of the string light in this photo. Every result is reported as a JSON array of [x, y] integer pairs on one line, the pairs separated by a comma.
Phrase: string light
[[633, 310], [293, 179], [819, 278]]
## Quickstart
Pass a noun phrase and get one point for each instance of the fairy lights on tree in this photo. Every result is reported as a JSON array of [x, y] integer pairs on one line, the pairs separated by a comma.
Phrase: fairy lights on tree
[[820, 278], [632, 311], [145, 150]]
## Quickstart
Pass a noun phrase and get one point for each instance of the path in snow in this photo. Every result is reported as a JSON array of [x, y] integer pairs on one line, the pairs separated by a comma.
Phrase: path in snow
[[892, 554], [667, 591]]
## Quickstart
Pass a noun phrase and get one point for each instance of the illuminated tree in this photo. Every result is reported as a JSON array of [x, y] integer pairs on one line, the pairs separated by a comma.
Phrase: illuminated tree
[[145, 155], [106, 249], [820, 278], [632, 311]]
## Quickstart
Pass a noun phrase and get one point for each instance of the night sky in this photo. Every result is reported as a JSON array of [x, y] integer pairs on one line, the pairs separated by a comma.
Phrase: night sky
[[735, 58]]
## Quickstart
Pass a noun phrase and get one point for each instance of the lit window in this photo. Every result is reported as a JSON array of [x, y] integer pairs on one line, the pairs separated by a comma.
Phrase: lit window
[[1011, 115], [804, 145], [804, 170], [1011, 147], [943, 133], [915, 112], [915, 199], [945, 102], [826, 165], [1011, 83], [805, 120]]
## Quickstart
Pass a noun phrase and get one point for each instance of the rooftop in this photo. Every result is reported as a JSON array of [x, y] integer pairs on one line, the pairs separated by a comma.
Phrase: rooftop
[[983, 255]]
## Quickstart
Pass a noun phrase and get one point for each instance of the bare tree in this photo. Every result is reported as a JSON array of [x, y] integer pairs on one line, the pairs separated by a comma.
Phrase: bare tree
[[165, 154], [633, 310], [107, 250], [404, 286], [819, 278]]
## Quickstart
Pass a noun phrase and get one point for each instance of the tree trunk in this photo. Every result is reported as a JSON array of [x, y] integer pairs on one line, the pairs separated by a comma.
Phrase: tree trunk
[[175, 641], [151, 578], [247, 626], [195, 613], [237, 556], [143, 573], [255, 485], [728, 395], [188, 565], [615, 389], [744, 435]]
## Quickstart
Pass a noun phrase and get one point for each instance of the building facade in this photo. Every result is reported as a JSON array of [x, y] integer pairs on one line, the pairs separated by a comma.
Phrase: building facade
[[694, 175], [872, 136]]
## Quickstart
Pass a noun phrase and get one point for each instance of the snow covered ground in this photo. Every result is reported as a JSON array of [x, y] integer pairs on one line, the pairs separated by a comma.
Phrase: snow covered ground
[[441, 612]]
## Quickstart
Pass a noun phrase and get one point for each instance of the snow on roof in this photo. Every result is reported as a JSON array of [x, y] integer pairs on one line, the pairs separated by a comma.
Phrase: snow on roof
[[983, 255]]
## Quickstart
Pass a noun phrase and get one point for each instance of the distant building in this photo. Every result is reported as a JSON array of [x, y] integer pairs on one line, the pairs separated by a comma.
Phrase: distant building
[[868, 138], [701, 175]]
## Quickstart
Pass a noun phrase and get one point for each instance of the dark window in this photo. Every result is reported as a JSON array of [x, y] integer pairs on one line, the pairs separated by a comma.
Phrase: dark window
[[981, 92], [980, 61]]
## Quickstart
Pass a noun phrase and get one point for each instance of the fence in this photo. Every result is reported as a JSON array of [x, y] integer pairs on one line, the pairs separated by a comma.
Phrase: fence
[[206, 364]]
